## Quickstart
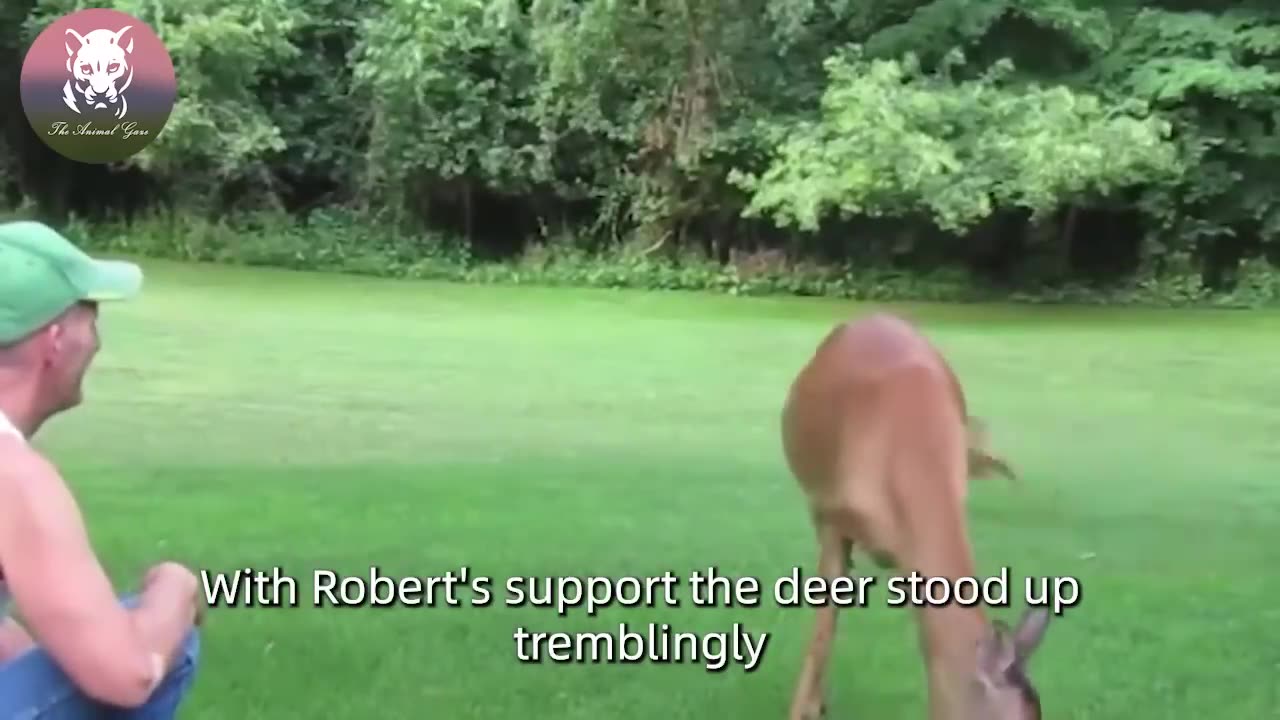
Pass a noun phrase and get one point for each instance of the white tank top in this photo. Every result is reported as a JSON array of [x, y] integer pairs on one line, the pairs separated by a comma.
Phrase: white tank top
[[7, 428]]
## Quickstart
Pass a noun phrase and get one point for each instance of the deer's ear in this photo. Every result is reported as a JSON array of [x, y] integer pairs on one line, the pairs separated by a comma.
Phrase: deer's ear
[[1030, 632], [997, 653]]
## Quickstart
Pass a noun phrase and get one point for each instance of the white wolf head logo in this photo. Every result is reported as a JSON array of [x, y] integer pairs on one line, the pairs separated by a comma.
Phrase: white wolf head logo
[[97, 65]]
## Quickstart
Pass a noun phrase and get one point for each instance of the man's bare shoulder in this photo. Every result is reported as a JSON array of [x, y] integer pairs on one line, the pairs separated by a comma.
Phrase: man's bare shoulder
[[36, 505], [25, 475], [18, 459]]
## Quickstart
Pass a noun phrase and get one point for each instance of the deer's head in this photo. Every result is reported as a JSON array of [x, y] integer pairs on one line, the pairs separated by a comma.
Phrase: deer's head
[[1003, 689]]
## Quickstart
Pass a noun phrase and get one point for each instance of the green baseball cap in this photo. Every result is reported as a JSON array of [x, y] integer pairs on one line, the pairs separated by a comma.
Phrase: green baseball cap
[[43, 273]]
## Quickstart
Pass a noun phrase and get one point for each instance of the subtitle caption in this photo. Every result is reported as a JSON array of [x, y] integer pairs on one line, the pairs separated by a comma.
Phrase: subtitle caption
[[649, 642]]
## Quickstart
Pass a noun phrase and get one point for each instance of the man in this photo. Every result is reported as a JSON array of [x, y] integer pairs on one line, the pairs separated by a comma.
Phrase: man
[[83, 652]]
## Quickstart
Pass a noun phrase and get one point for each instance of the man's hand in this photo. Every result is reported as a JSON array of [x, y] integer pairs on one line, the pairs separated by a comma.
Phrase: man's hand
[[181, 579], [170, 572]]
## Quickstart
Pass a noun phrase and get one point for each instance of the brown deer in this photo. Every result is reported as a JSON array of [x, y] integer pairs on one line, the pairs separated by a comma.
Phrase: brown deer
[[876, 432]]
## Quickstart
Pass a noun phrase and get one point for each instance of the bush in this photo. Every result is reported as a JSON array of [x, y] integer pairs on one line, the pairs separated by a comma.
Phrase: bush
[[343, 241]]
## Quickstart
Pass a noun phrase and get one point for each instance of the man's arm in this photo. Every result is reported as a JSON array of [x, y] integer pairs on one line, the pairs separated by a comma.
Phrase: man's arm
[[14, 640], [66, 599]]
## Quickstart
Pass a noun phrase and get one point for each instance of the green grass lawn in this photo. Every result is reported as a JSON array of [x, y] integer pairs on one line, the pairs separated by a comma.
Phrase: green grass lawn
[[253, 418]]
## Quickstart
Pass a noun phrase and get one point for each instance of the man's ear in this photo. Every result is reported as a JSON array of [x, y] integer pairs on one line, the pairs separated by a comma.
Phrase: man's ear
[[49, 341]]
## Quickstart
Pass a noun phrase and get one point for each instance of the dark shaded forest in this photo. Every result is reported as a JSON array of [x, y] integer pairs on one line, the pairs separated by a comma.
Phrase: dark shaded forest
[[1039, 149]]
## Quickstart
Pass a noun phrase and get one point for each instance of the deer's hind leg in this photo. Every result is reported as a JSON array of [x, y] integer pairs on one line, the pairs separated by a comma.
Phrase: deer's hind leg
[[809, 700]]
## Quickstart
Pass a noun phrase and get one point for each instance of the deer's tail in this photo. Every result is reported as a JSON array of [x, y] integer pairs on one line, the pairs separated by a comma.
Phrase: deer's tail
[[982, 462]]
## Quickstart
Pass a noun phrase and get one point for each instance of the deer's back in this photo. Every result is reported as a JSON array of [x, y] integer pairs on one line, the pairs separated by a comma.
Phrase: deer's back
[[840, 408]]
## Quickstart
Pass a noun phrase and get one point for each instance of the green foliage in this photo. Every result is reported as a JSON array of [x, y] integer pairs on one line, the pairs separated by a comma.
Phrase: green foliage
[[221, 130], [936, 27], [1003, 137], [347, 242], [447, 84], [893, 140], [1217, 77], [309, 99]]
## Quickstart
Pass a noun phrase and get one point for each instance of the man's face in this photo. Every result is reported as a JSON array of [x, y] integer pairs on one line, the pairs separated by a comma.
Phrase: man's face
[[70, 346]]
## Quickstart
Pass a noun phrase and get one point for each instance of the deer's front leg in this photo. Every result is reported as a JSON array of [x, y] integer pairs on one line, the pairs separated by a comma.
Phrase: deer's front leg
[[809, 701]]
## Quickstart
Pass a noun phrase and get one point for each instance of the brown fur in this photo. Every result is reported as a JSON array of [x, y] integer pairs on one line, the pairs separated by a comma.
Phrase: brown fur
[[877, 434]]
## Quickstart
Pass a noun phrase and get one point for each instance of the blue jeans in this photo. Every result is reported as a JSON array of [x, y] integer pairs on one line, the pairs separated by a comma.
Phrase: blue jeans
[[33, 687]]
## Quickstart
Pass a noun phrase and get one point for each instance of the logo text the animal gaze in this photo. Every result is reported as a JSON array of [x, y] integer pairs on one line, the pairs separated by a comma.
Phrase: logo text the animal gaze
[[98, 85], [97, 64]]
